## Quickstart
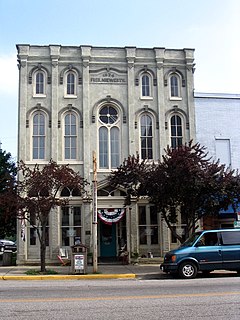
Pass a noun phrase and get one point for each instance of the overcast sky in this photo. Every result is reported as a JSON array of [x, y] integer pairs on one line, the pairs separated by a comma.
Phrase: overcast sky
[[211, 27]]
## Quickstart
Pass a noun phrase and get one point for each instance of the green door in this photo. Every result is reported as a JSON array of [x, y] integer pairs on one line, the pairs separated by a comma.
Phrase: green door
[[108, 240]]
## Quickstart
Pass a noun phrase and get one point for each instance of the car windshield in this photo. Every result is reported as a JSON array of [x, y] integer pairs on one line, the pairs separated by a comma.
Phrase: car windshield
[[191, 240]]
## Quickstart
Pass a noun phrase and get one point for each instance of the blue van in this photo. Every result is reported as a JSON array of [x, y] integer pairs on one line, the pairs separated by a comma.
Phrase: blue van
[[205, 251]]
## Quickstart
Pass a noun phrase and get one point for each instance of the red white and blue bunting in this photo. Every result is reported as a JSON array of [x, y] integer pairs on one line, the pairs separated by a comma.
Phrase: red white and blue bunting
[[110, 216]]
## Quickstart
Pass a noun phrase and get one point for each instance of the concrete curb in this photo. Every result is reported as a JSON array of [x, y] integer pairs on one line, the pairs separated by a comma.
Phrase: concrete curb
[[71, 277]]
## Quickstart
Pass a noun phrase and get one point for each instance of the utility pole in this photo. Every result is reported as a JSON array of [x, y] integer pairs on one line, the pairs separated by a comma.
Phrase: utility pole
[[94, 229]]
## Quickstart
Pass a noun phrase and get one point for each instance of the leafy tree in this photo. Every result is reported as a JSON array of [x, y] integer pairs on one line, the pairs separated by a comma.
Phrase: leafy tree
[[37, 193], [8, 173], [185, 183]]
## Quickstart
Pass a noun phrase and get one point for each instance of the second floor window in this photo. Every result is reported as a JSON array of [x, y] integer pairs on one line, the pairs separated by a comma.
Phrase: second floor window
[[146, 92], [39, 83], [146, 137], [71, 90], [174, 86], [38, 136], [176, 131], [70, 136], [109, 138]]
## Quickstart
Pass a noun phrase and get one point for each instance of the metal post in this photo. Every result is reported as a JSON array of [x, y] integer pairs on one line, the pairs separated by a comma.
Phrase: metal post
[[95, 264]]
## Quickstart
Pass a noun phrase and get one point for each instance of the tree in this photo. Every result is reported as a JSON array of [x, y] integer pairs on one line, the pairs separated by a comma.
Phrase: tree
[[8, 173], [185, 183], [36, 193]]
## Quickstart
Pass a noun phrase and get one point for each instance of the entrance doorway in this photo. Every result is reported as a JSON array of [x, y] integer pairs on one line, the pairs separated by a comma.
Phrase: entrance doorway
[[108, 243]]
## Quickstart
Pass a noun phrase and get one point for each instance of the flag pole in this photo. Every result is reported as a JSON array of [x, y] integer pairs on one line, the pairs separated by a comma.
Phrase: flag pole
[[94, 229]]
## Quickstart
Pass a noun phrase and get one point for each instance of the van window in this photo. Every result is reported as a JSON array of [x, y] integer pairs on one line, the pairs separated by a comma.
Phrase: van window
[[230, 237], [208, 239]]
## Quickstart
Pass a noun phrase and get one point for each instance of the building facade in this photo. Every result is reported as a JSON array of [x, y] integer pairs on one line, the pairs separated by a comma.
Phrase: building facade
[[218, 130], [77, 100]]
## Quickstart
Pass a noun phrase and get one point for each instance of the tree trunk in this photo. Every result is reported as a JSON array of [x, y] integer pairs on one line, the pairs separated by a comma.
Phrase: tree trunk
[[43, 247]]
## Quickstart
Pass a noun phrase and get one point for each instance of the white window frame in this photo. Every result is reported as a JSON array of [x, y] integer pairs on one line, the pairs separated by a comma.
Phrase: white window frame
[[176, 127], [74, 94], [71, 135], [150, 96], [109, 127], [42, 94], [179, 96], [145, 137], [38, 136]]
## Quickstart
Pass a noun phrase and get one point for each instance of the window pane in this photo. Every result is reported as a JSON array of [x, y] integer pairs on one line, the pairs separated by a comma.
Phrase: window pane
[[77, 216], [70, 136], [39, 83], [176, 131], [174, 86], [145, 85], [108, 115], [146, 137], [38, 136], [142, 235], [154, 235], [153, 215], [114, 147], [65, 216], [71, 83], [142, 215], [103, 147]]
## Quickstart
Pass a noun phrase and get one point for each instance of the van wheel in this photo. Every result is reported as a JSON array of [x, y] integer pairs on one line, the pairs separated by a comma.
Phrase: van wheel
[[187, 270]]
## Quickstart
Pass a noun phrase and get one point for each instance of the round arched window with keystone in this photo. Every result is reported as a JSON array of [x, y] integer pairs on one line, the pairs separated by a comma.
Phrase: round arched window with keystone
[[108, 115]]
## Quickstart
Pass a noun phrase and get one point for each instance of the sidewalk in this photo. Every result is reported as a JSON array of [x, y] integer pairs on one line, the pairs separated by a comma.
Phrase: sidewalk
[[104, 271]]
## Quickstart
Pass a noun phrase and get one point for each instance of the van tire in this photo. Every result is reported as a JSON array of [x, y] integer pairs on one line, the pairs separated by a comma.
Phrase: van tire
[[187, 270]]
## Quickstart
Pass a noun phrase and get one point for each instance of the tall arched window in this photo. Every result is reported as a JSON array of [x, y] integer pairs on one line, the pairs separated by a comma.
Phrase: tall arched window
[[146, 137], [39, 136], [70, 136], [71, 83], [39, 82], [146, 85], [176, 131], [174, 81], [109, 138]]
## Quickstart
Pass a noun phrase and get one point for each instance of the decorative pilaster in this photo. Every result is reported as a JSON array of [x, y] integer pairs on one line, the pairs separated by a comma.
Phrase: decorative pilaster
[[130, 56], [55, 148]]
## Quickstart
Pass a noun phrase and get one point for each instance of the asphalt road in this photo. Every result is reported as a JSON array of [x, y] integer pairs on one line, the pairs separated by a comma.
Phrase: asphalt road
[[202, 298]]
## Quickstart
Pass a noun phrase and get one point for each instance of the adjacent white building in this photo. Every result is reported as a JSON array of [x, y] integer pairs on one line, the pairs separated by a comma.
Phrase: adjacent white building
[[76, 100], [217, 129]]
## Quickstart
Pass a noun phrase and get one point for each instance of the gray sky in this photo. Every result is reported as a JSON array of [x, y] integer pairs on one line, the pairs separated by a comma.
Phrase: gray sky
[[211, 27]]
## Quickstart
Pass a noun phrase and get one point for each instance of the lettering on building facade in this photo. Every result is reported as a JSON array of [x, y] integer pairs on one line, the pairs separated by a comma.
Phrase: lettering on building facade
[[108, 77]]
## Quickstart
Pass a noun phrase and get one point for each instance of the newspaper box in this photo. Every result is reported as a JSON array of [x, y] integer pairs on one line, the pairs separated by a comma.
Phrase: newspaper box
[[79, 259]]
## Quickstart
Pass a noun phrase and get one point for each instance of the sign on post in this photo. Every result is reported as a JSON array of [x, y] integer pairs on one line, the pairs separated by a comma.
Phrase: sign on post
[[79, 262]]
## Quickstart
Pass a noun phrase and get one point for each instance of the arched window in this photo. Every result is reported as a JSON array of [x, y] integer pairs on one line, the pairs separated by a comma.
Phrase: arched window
[[39, 83], [146, 85], [70, 136], [176, 131], [71, 83], [109, 138], [174, 86], [39, 136], [146, 137]]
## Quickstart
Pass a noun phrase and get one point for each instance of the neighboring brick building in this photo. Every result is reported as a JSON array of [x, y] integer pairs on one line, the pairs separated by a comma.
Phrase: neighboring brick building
[[114, 101]]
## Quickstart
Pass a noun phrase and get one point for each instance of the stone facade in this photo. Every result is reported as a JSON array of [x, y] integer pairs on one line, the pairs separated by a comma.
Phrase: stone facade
[[76, 100]]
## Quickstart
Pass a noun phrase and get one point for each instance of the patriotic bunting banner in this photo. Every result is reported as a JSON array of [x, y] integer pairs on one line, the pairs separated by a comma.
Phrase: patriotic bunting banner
[[110, 216]]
